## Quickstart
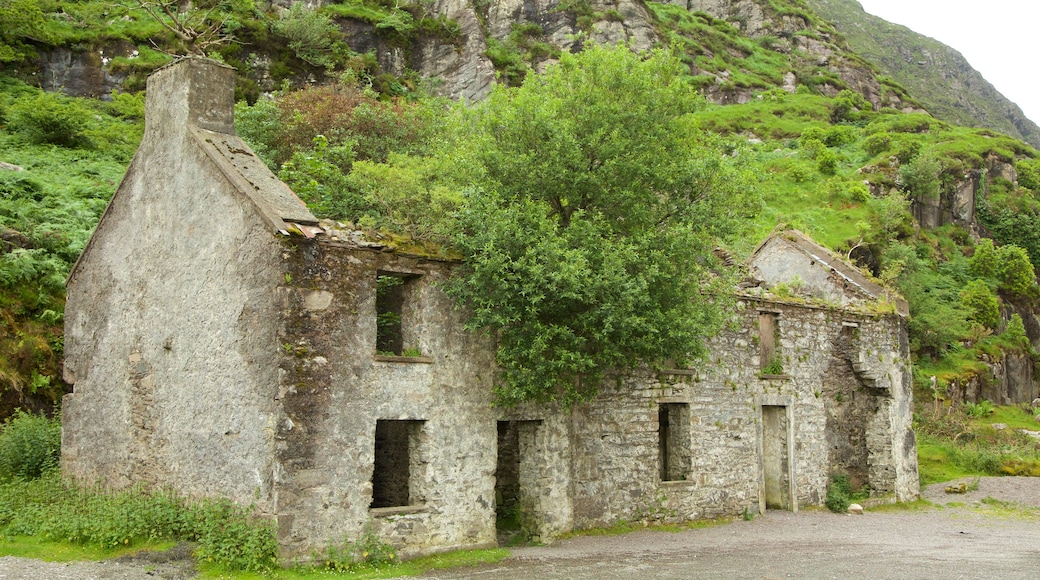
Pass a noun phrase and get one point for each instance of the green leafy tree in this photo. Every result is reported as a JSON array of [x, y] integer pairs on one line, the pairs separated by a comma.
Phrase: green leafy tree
[[1016, 272], [938, 319], [313, 36], [984, 262], [920, 177], [200, 27], [982, 303], [593, 208]]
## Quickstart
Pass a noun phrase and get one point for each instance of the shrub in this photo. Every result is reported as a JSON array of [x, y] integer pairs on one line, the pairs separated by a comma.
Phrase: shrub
[[313, 36], [982, 303], [840, 135], [920, 177], [30, 445], [827, 162], [984, 262], [232, 536], [877, 143], [51, 119], [367, 552], [1029, 174], [1014, 335], [1016, 272], [839, 492], [978, 410], [343, 114]]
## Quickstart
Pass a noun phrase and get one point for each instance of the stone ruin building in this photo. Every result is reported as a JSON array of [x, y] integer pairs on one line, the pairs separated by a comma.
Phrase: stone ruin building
[[221, 341]]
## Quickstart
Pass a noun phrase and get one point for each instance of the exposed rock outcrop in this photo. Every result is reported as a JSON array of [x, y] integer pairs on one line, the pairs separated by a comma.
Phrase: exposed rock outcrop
[[82, 73]]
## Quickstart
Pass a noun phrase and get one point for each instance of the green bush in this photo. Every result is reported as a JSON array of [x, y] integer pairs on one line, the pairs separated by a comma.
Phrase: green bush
[[1014, 335], [313, 36], [982, 303], [839, 492], [984, 262], [978, 410], [30, 445], [840, 135], [1016, 272], [827, 162], [51, 119], [1029, 174], [877, 143], [920, 177]]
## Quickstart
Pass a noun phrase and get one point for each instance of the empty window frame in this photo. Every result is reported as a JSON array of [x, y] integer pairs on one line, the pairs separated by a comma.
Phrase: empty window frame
[[395, 474], [673, 439], [770, 360], [396, 314]]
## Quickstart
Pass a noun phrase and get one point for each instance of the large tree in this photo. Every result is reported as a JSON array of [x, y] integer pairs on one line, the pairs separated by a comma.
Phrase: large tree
[[593, 209]]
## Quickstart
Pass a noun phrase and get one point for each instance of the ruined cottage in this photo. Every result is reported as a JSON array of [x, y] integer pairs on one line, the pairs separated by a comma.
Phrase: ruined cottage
[[221, 341]]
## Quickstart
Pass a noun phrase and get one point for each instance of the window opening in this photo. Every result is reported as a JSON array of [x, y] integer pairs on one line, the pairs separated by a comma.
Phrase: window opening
[[673, 440], [394, 314], [394, 473], [770, 360]]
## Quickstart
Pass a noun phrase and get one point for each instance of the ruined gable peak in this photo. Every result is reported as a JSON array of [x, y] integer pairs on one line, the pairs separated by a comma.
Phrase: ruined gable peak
[[190, 91]]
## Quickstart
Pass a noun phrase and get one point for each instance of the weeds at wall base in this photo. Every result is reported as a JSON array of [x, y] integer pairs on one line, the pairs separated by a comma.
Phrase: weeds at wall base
[[52, 510]]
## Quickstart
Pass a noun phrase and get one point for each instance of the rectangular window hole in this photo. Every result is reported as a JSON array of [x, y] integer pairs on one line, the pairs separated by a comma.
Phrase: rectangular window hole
[[395, 314], [673, 438], [397, 460]]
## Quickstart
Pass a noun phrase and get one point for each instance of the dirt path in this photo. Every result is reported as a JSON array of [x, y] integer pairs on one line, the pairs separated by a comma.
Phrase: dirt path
[[971, 535]]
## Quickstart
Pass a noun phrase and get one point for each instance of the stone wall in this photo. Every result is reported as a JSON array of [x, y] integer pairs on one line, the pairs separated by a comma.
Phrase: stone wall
[[171, 314], [616, 473], [334, 388]]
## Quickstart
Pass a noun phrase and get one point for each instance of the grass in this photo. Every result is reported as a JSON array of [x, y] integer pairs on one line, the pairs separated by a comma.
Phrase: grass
[[51, 551], [627, 527], [458, 559], [1015, 417], [951, 446]]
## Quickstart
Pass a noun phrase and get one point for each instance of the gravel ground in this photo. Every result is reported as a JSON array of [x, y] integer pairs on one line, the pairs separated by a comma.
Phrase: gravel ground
[[967, 536]]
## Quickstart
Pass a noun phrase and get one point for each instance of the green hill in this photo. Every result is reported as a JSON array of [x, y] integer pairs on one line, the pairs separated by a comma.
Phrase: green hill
[[934, 73]]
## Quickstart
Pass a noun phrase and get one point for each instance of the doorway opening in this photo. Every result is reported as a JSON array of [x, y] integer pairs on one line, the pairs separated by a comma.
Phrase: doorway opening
[[516, 478], [777, 485]]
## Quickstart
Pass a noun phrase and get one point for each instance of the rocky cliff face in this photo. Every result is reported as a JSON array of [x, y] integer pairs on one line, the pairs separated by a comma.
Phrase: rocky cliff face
[[463, 70], [497, 40], [934, 73]]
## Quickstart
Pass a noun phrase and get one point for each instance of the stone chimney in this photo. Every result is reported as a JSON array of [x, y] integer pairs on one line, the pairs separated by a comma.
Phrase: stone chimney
[[190, 91]]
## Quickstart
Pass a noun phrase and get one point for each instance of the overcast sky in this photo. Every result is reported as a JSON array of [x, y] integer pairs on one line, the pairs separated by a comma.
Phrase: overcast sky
[[998, 37]]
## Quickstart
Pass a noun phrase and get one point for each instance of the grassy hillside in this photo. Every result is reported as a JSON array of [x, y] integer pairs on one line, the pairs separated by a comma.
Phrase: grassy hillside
[[937, 75], [65, 158]]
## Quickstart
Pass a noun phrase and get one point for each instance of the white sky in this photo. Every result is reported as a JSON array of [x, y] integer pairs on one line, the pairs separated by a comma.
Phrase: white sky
[[1000, 38]]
